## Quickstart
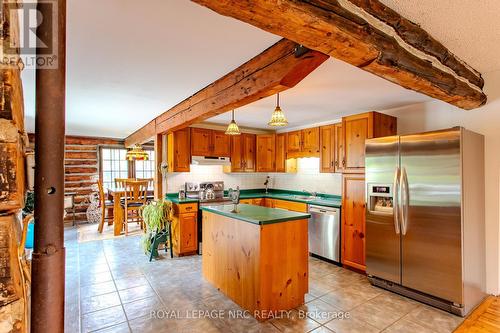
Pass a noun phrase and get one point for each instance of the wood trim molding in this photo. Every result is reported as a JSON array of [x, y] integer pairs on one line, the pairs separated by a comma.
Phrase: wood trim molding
[[278, 68], [368, 35]]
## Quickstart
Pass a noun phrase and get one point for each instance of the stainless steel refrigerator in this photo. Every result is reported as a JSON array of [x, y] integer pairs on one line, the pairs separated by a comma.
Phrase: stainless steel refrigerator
[[425, 235]]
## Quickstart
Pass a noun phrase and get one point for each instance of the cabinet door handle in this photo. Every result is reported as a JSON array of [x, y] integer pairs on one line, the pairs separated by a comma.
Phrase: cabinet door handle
[[331, 164], [337, 164], [343, 162]]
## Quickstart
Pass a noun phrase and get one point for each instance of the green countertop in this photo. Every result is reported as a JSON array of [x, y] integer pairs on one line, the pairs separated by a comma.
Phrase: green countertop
[[174, 197], [257, 214], [327, 200]]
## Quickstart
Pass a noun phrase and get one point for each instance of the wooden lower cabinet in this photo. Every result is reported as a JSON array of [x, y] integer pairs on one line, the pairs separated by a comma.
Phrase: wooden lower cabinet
[[277, 203], [353, 221], [185, 229], [290, 205]]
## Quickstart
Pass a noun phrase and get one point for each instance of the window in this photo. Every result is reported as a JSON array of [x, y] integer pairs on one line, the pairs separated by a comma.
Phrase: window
[[146, 169], [113, 165]]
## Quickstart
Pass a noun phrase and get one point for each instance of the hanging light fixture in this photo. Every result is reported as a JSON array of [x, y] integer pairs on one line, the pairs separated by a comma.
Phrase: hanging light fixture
[[232, 128], [278, 118], [137, 154]]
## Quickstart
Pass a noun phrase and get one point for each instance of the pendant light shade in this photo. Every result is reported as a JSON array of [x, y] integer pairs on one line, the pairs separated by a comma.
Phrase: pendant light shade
[[137, 154], [232, 128], [278, 118]]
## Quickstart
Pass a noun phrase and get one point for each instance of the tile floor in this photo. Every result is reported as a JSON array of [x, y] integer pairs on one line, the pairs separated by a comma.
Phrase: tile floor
[[111, 287]]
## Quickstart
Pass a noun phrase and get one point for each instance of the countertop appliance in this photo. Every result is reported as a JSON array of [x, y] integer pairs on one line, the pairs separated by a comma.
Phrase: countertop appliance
[[207, 193], [425, 230], [324, 232]]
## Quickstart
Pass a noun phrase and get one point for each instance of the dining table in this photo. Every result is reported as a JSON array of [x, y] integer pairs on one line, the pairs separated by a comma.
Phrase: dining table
[[116, 193]]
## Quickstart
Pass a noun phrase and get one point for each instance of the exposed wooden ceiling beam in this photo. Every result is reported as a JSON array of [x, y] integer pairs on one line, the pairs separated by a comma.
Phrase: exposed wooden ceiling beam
[[278, 68], [142, 135], [369, 35]]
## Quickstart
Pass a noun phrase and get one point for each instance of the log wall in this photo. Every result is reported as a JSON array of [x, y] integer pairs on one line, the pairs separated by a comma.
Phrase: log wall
[[14, 292], [81, 169]]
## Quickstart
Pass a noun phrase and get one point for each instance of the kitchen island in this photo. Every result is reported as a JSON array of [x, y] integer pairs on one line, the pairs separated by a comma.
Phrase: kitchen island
[[258, 257]]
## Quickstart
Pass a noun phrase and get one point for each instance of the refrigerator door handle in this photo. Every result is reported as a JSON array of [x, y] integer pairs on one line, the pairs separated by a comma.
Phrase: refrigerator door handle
[[405, 201], [396, 200]]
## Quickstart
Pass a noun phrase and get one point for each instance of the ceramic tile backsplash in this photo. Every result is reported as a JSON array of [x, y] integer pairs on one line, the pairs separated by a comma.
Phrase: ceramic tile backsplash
[[307, 178], [201, 173]]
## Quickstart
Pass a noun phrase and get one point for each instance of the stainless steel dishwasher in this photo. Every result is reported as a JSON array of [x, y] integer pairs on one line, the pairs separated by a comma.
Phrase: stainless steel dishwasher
[[324, 232]]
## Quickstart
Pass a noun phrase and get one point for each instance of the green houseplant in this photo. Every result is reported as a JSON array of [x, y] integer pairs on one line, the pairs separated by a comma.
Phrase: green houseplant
[[157, 216]]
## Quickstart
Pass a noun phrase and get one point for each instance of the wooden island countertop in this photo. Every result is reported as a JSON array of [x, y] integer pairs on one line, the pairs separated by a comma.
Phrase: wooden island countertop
[[258, 257]]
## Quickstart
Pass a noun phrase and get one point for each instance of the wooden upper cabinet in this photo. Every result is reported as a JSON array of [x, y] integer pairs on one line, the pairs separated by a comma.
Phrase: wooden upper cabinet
[[221, 144], [327, 148], [294, 142], [179, 157], [237, 164], [207, 142], [243, 153], [281, 152], [353, 221], [356, 129], [248, 151], [303, 143], [310, 141], [201, 142], [266, 153], [339, 147]]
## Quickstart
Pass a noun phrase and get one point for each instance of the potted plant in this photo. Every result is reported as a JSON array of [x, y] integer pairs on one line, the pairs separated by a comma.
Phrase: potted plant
[[157, 216]]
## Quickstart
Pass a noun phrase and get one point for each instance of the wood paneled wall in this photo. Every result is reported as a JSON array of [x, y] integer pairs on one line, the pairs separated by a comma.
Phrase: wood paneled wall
[[82, 169]]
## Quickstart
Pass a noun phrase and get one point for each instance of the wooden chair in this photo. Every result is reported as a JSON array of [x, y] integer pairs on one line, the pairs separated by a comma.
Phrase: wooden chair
[[135, 198], [151, 184], [104, 205], [120, 182]]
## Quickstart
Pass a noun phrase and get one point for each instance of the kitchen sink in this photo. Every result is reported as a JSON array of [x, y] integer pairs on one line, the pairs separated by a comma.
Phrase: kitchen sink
[[305, 197]]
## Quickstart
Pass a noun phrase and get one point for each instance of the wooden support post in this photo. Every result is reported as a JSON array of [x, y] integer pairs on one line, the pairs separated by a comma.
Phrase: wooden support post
[[48, 270], [158, 162]]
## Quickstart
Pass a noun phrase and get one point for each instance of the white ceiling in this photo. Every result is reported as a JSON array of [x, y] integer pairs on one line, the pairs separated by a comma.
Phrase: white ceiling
[[129, 63], [333, 90]]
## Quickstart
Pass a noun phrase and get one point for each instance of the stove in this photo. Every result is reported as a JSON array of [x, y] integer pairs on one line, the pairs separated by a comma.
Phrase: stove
[[207, 193]]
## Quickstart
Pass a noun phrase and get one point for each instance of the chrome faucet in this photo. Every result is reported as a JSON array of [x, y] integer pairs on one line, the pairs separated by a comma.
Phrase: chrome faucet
[[266, 183], [312, 194]]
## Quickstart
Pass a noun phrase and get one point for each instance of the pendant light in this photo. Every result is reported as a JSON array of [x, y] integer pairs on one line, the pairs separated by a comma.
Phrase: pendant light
[[232, 128], [137, 154], [278, 118]]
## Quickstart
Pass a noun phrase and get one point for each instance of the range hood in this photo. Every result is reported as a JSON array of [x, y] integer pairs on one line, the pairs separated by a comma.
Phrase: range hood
[[210, 160]]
